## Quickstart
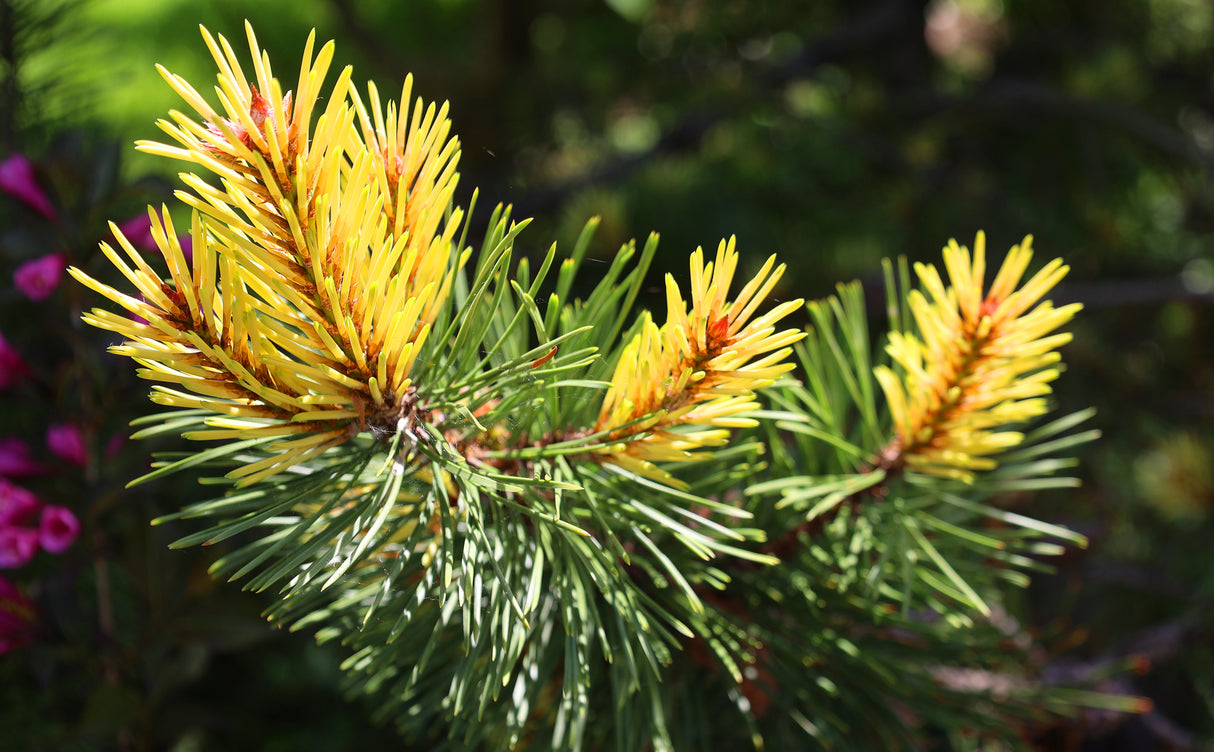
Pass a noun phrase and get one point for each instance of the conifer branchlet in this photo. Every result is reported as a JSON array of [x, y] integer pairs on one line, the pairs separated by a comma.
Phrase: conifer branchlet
[[483, 491]]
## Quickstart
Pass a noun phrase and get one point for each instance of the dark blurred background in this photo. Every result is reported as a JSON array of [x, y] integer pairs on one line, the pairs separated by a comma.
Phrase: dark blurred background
[[834, 133]]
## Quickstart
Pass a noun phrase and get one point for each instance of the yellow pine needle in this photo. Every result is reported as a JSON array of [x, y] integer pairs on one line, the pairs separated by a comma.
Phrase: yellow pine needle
[[697, 374], [163, 395], [321, 254], [978, 363], [289, 454]]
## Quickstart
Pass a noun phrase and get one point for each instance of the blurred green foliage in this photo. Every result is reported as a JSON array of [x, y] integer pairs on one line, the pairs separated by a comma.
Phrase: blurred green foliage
[[835, 133]]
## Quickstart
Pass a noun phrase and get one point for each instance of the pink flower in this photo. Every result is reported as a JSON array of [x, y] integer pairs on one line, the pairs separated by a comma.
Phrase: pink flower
[[17, 546], [16, 617], [38, 278], [15, 459], [12, 366], [17, 180], [67, 443], [138, 230], [57, 529], [18, 506]]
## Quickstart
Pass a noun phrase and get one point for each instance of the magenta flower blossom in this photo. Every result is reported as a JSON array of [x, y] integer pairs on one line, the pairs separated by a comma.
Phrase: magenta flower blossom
[[39, 278], [12, 366], [16, 617], [57, 529], [17, 546], [15, 459], [17, 180], [138, 230], [18, 506], [67, 443]]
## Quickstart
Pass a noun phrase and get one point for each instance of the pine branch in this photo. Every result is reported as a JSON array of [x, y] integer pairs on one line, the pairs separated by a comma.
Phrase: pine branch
[[552, 521]]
